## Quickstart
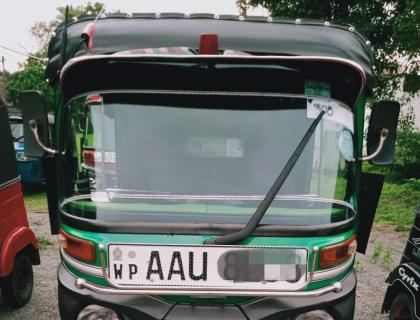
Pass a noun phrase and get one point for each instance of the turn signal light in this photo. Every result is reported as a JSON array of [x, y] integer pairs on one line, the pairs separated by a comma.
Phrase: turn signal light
[[338, 253], [77, 248]]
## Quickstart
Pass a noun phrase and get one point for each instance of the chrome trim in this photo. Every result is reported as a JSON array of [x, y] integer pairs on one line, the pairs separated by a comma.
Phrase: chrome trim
[[175, 58], [83, 284], [331, 273], [10, 182], [80, 266], [383, 136], [99, 271], [105, 195], [197, 291]]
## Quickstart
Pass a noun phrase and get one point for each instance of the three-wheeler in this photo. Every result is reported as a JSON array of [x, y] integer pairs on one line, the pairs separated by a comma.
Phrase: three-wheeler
[[209, 166], [402, 298], [18, 244]]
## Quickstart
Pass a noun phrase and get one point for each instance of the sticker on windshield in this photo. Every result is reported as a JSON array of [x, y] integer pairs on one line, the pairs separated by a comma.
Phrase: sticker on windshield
[[346, 144], [333, 111], [211, 147], [317, 88]]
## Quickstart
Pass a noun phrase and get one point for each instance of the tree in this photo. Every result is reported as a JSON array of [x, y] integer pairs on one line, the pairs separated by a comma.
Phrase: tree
[[30, 78], [91, 8], [42, 32], [393, 28]]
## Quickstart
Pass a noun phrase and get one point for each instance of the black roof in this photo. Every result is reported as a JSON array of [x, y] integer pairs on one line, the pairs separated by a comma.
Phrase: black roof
[[255, 35]]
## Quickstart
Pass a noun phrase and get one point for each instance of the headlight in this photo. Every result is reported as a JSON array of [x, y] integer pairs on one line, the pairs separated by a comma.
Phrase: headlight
[[315, 315], [95, 312], [20, 156]]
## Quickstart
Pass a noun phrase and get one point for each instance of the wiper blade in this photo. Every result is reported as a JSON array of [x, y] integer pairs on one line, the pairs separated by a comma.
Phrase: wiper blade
[[271, 194]]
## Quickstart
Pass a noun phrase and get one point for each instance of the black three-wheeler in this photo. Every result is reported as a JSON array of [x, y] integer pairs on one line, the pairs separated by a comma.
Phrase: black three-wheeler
[[402, 298]]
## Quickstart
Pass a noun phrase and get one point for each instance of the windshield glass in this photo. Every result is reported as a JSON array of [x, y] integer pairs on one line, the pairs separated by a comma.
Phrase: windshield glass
[[206, 159], [17, 131]]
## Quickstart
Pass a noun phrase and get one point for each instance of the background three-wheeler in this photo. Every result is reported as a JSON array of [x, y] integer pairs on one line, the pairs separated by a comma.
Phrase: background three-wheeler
[[402, 299], [18, 244], [31, 170], [215, 171]]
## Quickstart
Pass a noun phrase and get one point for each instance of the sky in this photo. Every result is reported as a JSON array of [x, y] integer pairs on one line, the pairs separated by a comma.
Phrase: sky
[[17, 17]]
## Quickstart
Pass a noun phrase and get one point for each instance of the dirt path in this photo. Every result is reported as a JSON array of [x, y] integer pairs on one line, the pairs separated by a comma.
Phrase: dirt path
[[374, 267], [384, 252], [43, 304]]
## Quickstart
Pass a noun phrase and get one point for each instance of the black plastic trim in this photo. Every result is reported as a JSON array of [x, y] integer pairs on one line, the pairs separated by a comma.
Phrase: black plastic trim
[[204, 228]]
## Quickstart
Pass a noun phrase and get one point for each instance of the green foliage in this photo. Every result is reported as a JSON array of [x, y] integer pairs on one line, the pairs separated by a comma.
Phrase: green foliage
[[91, 8], [32, 75], [358, 266], [407, 156], [407, 161], [30, 78], [393, 28], [36, 201], [397, 204], [387, 259], [42, 32], [44, 243], [377, 252]]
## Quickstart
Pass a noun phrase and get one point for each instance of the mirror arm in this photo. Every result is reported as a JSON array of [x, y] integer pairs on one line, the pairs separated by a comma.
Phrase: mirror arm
[[384, 135], [33, 124]]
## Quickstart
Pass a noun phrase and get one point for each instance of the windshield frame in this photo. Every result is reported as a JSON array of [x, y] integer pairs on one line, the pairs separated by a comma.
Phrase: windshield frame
[[206, 228]]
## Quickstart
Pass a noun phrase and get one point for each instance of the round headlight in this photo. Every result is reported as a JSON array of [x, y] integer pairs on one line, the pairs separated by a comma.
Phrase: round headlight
[[315, 315], [95, 312], [20, 156]]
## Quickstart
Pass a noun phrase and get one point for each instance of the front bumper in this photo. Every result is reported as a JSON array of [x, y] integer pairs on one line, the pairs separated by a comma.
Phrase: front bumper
[[72, 300]]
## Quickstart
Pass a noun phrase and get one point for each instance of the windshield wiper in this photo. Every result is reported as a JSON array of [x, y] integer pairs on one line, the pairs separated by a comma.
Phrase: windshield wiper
[[271, 194]]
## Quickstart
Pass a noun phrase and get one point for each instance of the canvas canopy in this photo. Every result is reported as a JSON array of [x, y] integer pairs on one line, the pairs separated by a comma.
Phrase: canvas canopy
[[255, 35]]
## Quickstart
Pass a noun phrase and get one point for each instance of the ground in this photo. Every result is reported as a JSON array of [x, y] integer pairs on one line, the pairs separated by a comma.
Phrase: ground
[[384, 252]]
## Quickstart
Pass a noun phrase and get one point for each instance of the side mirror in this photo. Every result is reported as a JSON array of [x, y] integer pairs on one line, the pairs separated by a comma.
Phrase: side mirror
[[35, 120], [383, 121]]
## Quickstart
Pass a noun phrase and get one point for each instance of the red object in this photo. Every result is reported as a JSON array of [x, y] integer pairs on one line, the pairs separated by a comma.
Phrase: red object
[[89, 157], [94, 100], [77, 248], [209, 43], [338, 253], [15, 234], [87, 36]]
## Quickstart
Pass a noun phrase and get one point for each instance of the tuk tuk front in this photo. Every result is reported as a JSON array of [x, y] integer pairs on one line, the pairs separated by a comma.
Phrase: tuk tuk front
[[209, 167]]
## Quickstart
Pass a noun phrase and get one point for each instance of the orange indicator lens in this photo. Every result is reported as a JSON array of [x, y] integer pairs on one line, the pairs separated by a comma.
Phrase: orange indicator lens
[[336, 254], [77, 248]]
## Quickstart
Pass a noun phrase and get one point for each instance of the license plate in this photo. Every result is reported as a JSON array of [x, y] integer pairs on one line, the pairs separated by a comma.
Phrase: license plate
[[222, 267]]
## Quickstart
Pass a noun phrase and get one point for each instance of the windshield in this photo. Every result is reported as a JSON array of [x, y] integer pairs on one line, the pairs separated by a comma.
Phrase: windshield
[[17, 131], [206, 159]]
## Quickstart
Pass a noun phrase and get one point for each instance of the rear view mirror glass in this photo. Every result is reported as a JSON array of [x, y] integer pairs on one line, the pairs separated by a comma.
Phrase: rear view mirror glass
[[33, 108], [384, 115]]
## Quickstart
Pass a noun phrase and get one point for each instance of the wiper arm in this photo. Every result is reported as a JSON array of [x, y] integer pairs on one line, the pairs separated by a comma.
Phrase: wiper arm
[[271, 194]]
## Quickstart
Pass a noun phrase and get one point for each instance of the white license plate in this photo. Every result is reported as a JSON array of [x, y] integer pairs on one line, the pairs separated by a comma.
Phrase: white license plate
[[222, 267]]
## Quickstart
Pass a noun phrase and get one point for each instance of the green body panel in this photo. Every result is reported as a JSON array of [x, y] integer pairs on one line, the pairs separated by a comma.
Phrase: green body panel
[[106, 238]]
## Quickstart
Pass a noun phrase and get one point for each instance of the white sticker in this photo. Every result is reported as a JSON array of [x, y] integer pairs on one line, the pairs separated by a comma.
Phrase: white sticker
[[346, 144], [333, 111]]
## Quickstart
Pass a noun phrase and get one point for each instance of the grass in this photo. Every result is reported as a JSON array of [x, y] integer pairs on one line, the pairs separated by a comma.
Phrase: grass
[[35, 200], [396, 205], [44, 243]]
